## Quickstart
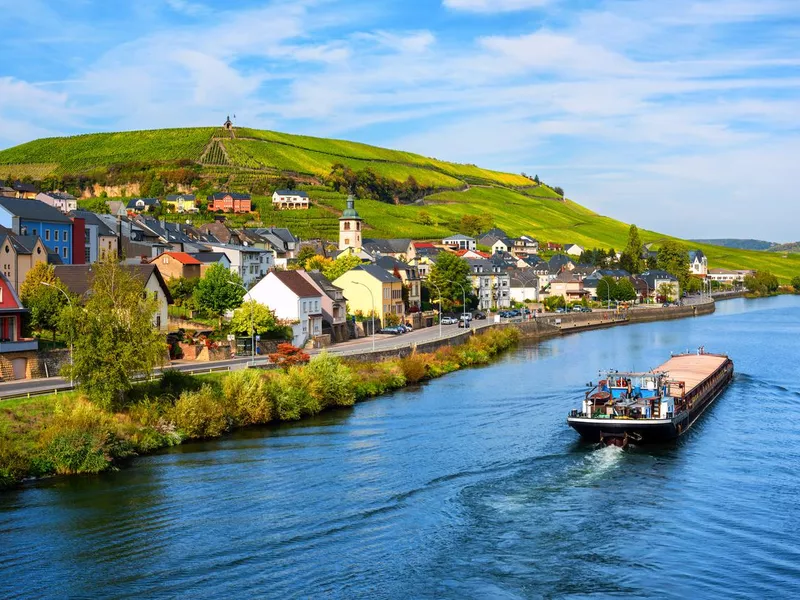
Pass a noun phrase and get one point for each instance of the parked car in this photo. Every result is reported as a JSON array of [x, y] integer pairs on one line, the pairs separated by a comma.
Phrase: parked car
[[393, 330], [408, 327], [463, 323], [449, 320], [465, 317], [479, 316]]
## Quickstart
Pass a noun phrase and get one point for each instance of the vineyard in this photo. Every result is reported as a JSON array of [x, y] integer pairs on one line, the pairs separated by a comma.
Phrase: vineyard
[[215, 154]]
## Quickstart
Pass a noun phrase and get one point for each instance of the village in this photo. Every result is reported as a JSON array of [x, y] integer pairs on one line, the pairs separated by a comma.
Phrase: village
[[319, 292]]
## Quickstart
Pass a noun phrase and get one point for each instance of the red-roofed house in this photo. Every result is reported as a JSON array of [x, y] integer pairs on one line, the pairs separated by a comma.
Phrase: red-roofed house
[[173, 265], [472, 254]]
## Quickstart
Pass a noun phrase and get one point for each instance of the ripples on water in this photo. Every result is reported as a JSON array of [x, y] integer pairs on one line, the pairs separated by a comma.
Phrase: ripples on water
[[471, 486]]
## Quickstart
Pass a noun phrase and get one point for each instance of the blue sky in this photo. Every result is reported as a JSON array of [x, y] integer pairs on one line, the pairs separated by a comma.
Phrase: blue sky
[[680, 116]]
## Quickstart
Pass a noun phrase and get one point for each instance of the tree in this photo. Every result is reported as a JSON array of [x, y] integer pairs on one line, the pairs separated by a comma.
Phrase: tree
[[182, 291], [306, 253], [552, 303], [631, 259], [625, 290], [44, 301], [664, 292], [448, 272], [674, 259], [113, 335], [762, 283], [607, 289], [318, 263], [288, 356], [263, 321], [536, 179], [341, 265], [216, 293], [796, 284], [424, 217]]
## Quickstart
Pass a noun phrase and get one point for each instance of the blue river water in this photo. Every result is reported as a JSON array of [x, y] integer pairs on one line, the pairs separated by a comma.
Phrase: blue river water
[[470, 486]]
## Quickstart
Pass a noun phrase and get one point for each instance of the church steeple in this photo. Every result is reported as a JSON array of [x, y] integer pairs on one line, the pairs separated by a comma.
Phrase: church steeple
[[350, 227]]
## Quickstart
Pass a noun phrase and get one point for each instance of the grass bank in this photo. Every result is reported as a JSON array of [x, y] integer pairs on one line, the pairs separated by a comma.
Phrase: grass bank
[[67, 434]]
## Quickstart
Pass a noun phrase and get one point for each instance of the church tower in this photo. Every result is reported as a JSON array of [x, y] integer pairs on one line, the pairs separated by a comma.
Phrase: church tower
[[350, 227]]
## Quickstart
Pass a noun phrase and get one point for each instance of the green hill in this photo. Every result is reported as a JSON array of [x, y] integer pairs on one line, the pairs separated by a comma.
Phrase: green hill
[[746, 244], [256, 161]]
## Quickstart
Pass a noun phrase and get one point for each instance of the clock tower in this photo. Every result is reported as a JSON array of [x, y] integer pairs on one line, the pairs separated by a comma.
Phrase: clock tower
[[350, 227]]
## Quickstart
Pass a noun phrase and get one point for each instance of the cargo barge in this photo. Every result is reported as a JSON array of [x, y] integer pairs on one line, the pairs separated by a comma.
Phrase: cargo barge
[[656, 406]]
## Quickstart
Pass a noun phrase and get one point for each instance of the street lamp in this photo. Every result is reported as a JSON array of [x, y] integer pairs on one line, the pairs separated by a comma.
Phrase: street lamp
[[372, 299], [463, 296], [252, 329], [71, 358], [438, 291]]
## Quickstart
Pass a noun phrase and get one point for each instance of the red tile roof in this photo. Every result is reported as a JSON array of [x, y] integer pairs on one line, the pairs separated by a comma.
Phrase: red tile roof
[[423, 245], [181, 257]]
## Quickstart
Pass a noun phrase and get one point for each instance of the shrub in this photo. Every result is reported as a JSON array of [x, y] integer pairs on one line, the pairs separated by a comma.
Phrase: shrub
[[413, 367], [288, 356], [174, 382], [334, 380], [247, 395], [296, 394], [199, 414], [82, 438]]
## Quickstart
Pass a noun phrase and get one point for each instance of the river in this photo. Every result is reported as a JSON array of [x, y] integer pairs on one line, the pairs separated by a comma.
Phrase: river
[[471, 486]]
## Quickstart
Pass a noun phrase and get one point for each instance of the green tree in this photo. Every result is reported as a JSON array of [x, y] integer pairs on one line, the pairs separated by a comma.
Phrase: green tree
[[306, 253], [424, 218], [552, 303], [625, 290], [448, 272], [113, 335], [607, 289], [40, 294], [343, 264], [536, 179], [664, 292], [796, 284], [182, 291], [674, 259], [262, 318], [631, 259], [216, 293], [762, 283]]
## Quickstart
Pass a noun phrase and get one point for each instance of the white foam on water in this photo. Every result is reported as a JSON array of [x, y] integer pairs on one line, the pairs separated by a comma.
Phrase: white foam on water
[[601, 461]]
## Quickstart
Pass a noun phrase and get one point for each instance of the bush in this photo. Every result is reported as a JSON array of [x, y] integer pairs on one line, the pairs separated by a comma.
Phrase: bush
[[247, 394], [413, 367], [173, 383], [199, 414], [334, 380], [296, 394], [82, 438]]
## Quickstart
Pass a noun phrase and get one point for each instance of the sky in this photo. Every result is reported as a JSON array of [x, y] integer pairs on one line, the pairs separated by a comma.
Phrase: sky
[[681, 116]]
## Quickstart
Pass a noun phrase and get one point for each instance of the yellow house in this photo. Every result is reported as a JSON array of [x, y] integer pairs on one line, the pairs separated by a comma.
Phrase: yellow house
[[19, 254], [182, 203], [370, 286]]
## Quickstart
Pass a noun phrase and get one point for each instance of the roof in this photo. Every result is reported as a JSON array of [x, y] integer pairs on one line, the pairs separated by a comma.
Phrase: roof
[[391, 263], [173, 197], [91, 218], [21, 186], [291, 193], [559, 260], [378, 273], [459, 236], [424, 245], [33, 210], [181, 257], [209, 257], [566, 277], [78, 278], [461, 253], [60, 195], [324, 283], [653, 274], [495, 232], [386, 246], [297, 284], [134, 202], [693, 254], [234, 195]]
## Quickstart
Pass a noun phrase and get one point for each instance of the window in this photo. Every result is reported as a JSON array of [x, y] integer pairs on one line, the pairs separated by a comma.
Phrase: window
[[46, 235], [165, 260], [87, 256], [64, 252], [86, 233], [304, 306], [55, 235]]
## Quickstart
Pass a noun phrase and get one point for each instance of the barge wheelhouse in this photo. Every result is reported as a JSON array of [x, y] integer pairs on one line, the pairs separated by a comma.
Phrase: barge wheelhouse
[[655, 406]]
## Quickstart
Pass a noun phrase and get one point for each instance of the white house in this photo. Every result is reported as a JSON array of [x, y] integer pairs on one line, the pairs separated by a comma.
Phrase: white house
[[698, 263], [290, 200], [460, 242], [655, 279], [502, 245], [61, 200], [728, 276], [250, 263], [573, 249], [294, 300]]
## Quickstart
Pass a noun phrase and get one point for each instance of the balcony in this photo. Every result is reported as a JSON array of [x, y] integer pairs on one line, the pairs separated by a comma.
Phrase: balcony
[[19, 346]]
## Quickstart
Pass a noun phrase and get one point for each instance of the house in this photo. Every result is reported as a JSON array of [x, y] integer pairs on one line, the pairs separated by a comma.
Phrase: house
[[19, 254], [217, 231], [7, 191], [472, 254], [250, 263], [78, 280], [409, 275], [211, 258], [28, 191], [143, 204], [100, 241], [560, 262], [18, 355], [524, 246], [177, 236], [182, 203], [553, 247], [135, 241], [698, 263], [573, 249], [459, 241], [174, 265], [655, 279], [422, 248], [334, 306], [568, 287], [294, 300], [396, 248], [502, 246], [370, 288], [61, 200], [32, 217], [524, 285], [290, 200], [494, 232], [641, 288], [729, 276], [278, 239], [491, 283], [350, 225], [230, 202]]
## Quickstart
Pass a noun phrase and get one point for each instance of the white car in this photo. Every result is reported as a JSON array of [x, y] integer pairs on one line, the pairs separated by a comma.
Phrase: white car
[[449, 320]]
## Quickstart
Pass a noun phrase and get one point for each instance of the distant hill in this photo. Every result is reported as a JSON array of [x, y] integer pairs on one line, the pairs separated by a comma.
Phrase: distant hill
[[211, 158], [740, 244], [791, 248]]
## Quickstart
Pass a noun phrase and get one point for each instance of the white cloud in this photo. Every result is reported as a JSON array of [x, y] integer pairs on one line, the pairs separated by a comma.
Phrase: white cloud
[[494, 6]]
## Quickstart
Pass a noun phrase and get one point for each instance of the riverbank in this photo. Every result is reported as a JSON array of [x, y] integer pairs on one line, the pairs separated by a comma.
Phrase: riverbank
[[67, 434]]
